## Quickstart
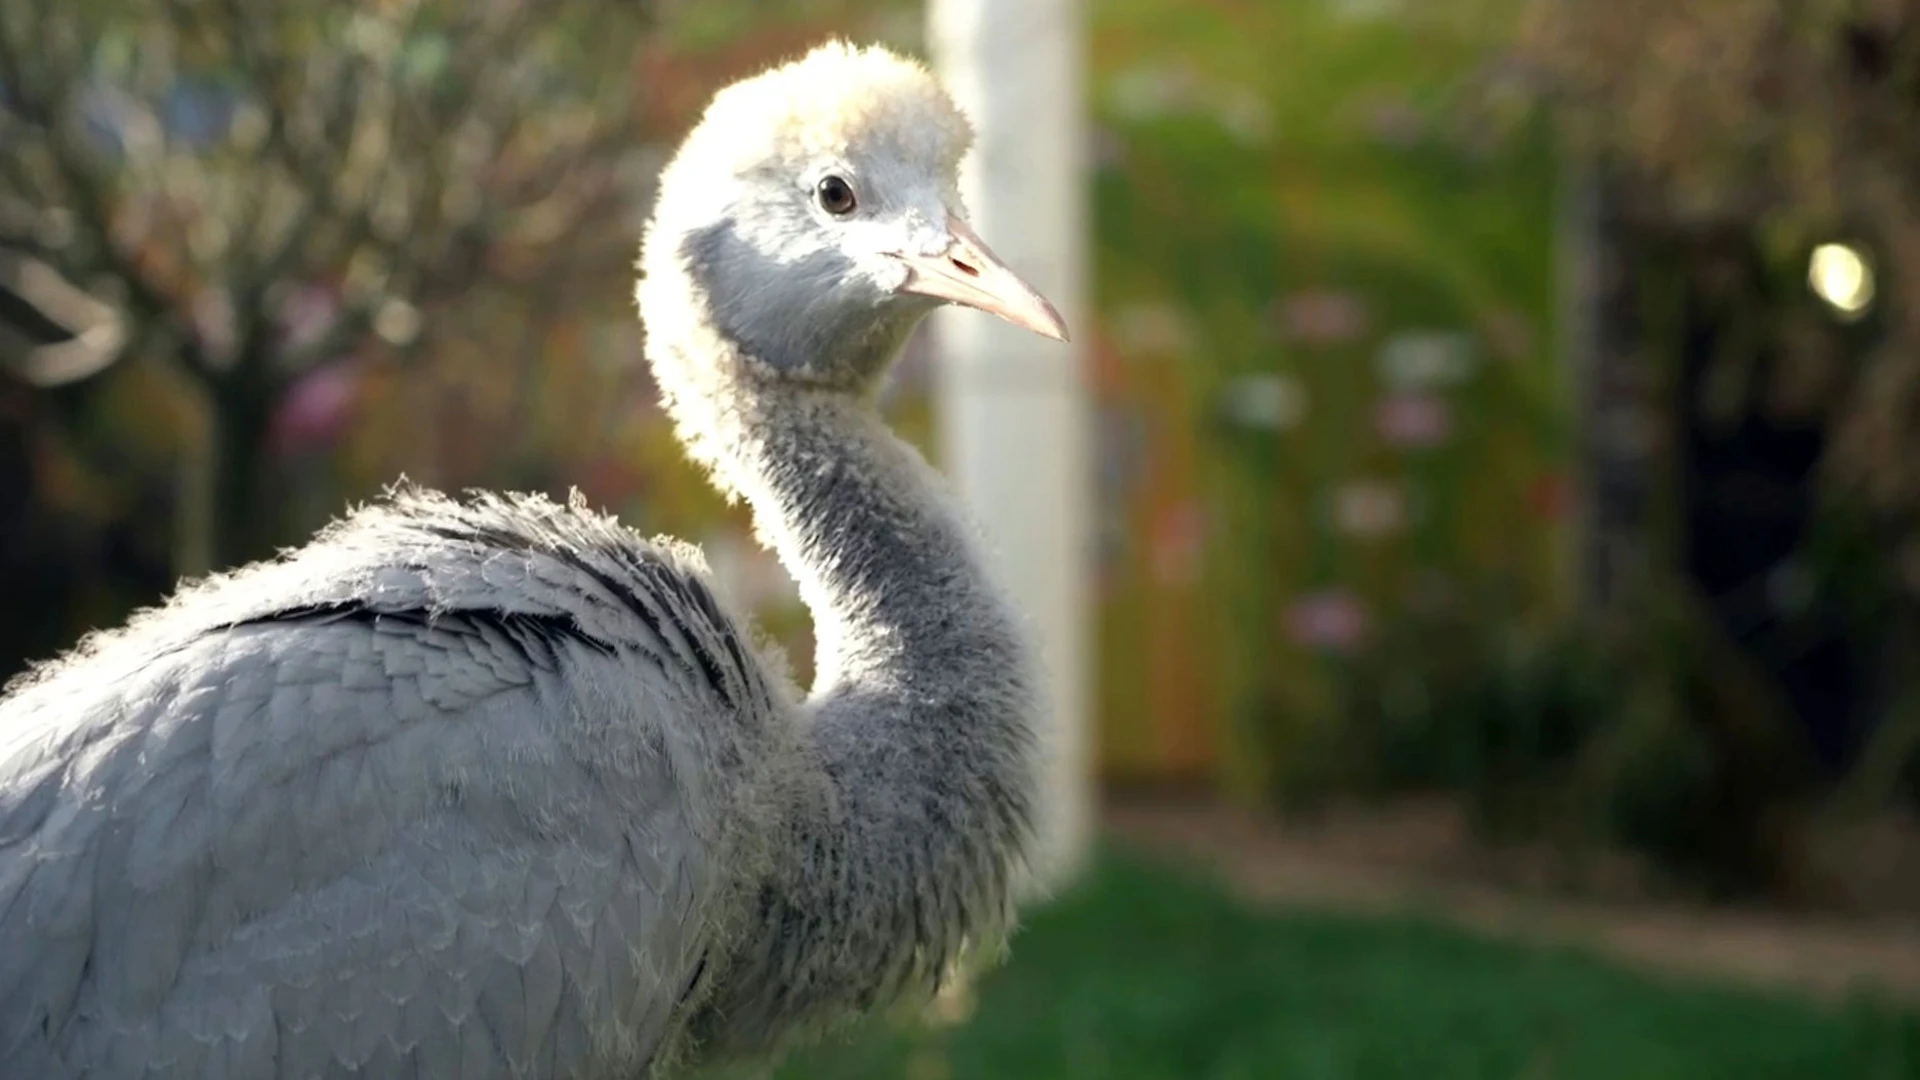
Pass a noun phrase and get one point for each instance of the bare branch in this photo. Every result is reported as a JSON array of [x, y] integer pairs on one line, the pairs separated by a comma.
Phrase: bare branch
[[409, 154]]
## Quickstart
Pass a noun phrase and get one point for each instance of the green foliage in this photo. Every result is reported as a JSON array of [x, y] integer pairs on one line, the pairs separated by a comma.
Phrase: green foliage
[[1357, 179], [1391, 163], [1468, 702], [1655, 735], [1140, 974]]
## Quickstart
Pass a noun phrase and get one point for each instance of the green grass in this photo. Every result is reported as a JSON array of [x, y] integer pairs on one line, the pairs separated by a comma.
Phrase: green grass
[[1142, 973]]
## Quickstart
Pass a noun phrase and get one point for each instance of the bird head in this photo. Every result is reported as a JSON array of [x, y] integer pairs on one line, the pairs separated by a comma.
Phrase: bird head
[[815, 209]]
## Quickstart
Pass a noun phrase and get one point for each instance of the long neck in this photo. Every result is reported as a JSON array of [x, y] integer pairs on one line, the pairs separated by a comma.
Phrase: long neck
[[886, 564], [921, 720]]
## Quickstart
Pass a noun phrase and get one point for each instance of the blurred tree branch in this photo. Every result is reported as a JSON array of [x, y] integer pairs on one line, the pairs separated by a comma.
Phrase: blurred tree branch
[[200, 165]]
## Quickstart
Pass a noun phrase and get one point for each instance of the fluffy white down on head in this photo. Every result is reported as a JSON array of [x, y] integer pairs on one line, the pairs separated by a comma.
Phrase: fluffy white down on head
[[862, 112], [789, 274], [834, 98]]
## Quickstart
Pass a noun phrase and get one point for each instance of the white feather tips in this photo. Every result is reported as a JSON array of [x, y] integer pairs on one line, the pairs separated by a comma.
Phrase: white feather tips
[[840, 96]]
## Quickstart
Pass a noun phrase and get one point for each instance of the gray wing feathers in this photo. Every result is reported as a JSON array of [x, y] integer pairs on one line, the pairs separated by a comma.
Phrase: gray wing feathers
[[424, 797]]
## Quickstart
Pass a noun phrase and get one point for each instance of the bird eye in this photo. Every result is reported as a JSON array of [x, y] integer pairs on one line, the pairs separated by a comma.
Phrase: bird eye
[[835, 195]]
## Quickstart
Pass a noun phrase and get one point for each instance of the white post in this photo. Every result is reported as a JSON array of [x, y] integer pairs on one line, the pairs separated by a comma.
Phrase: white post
[[1011, 405]]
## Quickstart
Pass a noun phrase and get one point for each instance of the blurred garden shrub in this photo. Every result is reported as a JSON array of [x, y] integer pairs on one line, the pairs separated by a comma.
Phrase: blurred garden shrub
[[1655, 735], [1799, 120]]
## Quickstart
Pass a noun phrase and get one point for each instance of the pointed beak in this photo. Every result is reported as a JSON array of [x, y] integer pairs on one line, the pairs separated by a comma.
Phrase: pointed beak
[[969, 273]]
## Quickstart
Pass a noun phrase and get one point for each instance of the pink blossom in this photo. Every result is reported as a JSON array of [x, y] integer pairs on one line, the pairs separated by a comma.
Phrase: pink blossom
[[1320, 317], [316, 409], [1369, 509], [307, 312], [1395, 123], [1179, 541], [213, 320], [1414, 420], [1331, 620]]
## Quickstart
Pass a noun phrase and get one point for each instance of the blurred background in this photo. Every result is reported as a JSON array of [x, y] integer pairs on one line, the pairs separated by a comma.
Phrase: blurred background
[[1502, 556]]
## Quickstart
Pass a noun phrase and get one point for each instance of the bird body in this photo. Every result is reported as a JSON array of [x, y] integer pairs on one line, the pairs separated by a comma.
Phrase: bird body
[[404, 796], [496, 787]]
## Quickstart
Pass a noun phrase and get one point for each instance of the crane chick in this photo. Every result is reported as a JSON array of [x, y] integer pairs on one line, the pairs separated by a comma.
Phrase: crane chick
[[497, 788]]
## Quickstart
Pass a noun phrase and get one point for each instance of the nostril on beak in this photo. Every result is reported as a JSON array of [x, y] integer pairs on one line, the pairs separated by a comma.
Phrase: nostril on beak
[[965, 267]]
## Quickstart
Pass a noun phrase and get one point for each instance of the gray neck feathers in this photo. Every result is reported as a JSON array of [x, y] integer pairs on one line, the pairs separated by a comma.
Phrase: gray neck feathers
[[921, 721]]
